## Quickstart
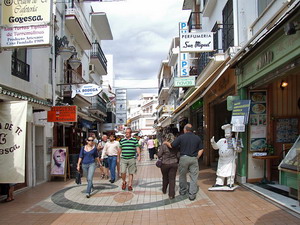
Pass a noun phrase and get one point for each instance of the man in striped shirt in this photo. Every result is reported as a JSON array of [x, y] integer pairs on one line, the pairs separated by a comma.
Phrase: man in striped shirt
[[129, 148]]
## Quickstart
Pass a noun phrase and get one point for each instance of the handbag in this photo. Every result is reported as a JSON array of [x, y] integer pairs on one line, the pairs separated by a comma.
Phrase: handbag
[[158, 163], [78, 178]]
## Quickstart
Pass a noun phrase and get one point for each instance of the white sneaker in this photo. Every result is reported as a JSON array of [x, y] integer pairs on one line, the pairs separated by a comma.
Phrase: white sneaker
[[87, 195]]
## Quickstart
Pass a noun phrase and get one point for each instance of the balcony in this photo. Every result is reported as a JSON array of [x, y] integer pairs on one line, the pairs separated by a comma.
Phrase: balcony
[[209, 6], [101, 26], [19, 68], [98, 106], [164, 112], [174, 51], [194, 21], [98, 58], [163, 90], [79, 27]]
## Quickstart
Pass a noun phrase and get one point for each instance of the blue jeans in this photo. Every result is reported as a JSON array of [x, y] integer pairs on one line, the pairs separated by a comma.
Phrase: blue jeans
[[112, 163], [88, 172]]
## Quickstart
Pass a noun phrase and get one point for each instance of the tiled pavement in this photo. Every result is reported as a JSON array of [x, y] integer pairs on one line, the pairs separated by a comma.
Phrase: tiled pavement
[[65, 203]]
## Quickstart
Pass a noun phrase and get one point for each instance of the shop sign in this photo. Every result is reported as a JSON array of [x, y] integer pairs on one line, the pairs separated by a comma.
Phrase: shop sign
[[87, 90], [168, 108], [184, 81], [196, 42], [26, 36], [26, 12], [264, 59], [240, 113], [185, 65], [62, 114]]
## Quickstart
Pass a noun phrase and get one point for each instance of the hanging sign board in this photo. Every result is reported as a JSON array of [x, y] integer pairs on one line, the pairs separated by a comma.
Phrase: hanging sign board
[[184, 81], [62, 114], [27, 36], [196, 42], [240, 115], [24, 13], [87, 90]]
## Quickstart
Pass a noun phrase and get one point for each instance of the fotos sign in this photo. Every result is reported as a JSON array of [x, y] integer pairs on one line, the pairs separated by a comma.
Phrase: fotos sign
[[25, 12], [196, 42]]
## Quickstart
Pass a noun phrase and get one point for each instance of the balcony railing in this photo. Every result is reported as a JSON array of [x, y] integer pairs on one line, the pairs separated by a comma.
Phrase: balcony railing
[[198, 65], [98, 53], [194, 21], [20, 68]]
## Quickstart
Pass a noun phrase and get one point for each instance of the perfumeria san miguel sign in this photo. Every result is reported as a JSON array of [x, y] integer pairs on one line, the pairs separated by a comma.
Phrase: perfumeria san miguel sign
[[196, 42], [25, 23]]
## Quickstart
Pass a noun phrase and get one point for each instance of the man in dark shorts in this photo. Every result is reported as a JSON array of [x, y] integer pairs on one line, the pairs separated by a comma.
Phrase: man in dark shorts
[[191, 148], [129, 149]]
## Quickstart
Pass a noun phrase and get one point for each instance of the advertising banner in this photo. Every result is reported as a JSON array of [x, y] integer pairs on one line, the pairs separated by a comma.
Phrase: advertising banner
[[26, 36], [12, 141], [25, 12]]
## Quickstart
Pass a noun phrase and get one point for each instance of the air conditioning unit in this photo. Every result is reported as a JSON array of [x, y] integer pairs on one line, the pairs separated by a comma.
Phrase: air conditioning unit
[[92, 68]]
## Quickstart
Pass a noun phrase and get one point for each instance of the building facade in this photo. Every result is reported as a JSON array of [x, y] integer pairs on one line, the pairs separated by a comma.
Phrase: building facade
[[46, 76]]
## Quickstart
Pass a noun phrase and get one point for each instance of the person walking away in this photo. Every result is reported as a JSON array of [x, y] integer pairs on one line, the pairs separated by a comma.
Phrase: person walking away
[[104, 168], [151, 148], [111, 150], [169, 157], [87, 156], [191, 148], [156, 144], [128, 151]]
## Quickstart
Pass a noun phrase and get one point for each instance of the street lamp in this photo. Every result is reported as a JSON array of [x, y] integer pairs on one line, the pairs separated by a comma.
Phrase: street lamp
[[65, 51]]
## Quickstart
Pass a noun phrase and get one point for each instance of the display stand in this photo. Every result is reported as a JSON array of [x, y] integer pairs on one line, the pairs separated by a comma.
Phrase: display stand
[[60, 165]]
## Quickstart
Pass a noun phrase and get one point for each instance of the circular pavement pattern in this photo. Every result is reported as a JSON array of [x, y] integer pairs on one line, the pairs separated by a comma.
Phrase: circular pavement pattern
[[59, 198]]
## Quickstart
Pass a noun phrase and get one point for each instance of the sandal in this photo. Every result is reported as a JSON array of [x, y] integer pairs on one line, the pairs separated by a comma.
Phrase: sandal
[[9, 200], [130, 188], [124, 185]]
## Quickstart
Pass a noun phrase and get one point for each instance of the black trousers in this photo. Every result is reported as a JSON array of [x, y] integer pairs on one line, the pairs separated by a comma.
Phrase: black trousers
[[151, 153], [169, 176]]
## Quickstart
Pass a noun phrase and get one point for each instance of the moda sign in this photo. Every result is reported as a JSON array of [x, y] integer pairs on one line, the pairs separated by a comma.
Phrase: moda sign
[[25, 23]]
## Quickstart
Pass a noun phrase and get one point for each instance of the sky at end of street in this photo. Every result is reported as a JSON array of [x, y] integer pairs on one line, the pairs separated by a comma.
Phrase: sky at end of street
[[142, 35]]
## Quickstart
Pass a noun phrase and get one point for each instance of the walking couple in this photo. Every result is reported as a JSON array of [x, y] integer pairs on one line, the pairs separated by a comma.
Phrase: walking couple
[[188, 147]]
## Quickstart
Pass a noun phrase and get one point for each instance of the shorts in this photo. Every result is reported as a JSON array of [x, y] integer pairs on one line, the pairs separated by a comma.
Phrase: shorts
[[105, 163], [129, 164]]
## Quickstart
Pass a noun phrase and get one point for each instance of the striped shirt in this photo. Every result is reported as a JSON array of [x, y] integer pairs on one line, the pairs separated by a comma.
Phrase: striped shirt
[[128, 147]]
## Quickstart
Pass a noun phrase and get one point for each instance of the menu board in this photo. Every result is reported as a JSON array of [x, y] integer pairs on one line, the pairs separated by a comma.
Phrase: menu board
[[258, 120], [287, 130]]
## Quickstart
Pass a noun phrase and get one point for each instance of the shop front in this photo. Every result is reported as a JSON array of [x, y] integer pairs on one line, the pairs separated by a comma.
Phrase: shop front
[[269, 75], [216, 113]]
